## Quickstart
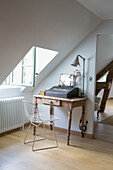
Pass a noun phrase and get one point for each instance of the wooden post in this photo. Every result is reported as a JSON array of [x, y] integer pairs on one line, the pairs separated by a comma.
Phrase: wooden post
[[105, 70], [97, 91], [104, 99], [100, 86]]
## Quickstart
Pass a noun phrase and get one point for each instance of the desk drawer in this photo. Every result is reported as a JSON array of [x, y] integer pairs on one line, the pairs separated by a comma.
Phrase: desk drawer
[[51, 102]]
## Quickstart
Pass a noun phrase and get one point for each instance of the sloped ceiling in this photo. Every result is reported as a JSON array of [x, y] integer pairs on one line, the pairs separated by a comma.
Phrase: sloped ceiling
[[54, 24], [101, 8]]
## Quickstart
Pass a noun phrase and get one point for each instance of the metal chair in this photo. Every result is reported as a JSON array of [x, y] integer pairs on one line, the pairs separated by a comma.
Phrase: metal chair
[[36, 119]]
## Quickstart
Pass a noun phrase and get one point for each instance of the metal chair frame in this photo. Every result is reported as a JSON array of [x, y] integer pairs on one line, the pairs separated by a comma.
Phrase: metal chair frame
[[36, 126]]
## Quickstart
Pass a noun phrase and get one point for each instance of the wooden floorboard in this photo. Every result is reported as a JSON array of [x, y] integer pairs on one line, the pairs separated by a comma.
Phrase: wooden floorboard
[[82, 154], [102, 131]]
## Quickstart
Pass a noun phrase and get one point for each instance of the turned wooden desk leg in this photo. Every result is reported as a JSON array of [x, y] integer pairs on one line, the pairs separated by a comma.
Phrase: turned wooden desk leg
[[35, 102], [69, 126], [51, 113], [83, 115]]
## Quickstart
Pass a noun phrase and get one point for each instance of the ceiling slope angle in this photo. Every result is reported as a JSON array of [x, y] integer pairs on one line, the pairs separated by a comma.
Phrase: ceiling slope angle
[[101, 8]]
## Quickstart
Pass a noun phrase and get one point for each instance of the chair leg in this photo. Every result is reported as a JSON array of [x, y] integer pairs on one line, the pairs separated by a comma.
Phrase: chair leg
[[44, 131], [37, 149], [55, 136], [35, 134], [27, 135]]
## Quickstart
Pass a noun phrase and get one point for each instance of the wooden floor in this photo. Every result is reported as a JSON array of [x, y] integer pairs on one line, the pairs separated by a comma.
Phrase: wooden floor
[[82, 154], [102, 131], [108, 110]]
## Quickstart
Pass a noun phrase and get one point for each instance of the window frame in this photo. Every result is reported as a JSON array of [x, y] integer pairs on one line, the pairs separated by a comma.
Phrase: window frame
[[11, 78]]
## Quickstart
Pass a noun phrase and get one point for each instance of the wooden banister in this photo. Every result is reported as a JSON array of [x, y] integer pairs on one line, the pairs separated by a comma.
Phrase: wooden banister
[[104, 85], [105, 70]]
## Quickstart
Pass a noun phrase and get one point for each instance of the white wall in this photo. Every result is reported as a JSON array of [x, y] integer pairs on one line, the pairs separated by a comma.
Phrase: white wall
[[88, 50], [53, 24], [8, 92], [14, 91]]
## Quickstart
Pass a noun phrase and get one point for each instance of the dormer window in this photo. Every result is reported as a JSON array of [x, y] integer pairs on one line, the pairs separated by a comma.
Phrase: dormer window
[[31, 65]]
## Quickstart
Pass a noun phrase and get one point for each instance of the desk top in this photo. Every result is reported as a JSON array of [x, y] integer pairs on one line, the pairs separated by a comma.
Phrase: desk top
[[59, 98]]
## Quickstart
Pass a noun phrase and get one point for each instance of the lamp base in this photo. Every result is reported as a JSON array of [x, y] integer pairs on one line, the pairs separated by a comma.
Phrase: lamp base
[[82, 95]]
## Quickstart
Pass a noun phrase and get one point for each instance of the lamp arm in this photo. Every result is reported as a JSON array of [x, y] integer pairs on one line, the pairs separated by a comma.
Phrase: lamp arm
[[83, 72], [75, 63], [80, 57]]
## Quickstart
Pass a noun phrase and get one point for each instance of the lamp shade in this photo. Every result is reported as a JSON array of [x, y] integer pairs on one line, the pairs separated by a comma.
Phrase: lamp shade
[[76, 62]]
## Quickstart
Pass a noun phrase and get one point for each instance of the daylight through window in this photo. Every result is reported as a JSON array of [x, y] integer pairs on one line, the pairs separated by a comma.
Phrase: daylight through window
[[34, 62]]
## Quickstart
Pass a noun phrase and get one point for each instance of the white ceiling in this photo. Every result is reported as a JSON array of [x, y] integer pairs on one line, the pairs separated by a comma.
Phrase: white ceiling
[[101, 8]]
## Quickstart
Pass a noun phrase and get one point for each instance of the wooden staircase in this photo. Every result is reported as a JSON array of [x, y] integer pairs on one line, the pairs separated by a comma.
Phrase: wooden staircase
[[106, 86]]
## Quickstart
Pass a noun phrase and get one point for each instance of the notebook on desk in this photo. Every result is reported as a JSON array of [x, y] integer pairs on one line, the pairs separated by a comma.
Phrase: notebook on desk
[[63, 91]]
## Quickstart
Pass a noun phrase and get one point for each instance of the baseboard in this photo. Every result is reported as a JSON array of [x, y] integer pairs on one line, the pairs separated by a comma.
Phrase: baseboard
[[91, 136], [26, 124], [10, 131], [111, 98], [14, 130]]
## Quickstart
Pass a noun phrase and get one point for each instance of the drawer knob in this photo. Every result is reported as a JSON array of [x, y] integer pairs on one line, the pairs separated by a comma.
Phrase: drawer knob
[[50, 102]]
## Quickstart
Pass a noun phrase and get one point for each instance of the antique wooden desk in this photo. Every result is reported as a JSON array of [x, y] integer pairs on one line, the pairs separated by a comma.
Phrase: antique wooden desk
[[66, 103]]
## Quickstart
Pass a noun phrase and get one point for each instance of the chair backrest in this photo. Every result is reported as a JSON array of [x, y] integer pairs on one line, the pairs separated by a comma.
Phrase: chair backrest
[[33, 114], [30, 109]]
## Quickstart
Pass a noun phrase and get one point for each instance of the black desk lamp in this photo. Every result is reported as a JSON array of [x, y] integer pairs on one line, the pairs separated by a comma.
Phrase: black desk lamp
[[75, 64]]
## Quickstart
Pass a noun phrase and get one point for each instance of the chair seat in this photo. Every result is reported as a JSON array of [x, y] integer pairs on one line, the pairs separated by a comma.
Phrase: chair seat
[[42, 118]]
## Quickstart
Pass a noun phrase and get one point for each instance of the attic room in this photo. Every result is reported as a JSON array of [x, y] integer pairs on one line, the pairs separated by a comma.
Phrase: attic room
[[41, 45]]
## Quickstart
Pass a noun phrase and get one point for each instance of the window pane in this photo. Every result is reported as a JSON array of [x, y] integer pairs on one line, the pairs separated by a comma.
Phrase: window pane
[[23, 73], [28, 59], [28, 75], [17, 74], [43, 57]]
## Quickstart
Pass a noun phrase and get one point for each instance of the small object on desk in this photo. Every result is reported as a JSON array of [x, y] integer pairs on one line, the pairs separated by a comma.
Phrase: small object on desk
[[63, 91], [42, 92]]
